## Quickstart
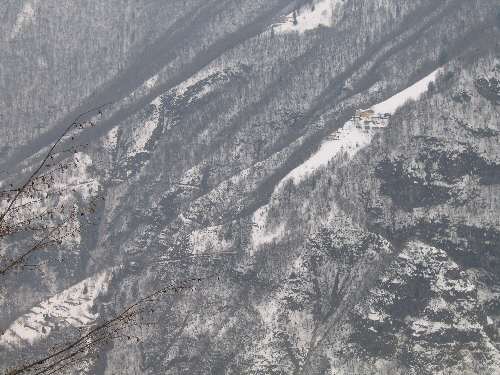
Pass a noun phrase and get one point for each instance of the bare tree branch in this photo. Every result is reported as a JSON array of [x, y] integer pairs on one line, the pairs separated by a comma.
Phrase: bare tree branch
[[107, 331], [47, 157]]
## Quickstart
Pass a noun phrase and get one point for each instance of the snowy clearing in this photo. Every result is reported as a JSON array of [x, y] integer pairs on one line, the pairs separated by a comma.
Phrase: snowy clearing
[[144, 133], [70, 307], [260, 232], [309, 17], [413, 92]]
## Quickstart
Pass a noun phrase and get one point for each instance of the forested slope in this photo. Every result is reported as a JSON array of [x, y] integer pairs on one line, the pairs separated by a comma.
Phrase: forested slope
[[231, 150]]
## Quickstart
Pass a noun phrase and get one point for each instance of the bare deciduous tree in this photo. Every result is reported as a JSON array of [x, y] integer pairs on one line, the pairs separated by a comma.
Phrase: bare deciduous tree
[[42, 213], [88, 343]]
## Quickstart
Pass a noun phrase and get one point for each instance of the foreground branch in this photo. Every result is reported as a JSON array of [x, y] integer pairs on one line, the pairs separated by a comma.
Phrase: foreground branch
[[73, 353]]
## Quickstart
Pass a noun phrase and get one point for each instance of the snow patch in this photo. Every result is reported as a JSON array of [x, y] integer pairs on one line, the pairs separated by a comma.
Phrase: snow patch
[[204, 82], [71, 307], [414, 92], [212, 74], [349, 139], [192, 177], [260, 233], [309, 17], [376, 316], [277, 319], [142, 135], [24, 18], [150, 83]]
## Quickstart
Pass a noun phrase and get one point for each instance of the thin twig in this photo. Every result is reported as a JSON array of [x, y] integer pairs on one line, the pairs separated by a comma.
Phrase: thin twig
[[44, 160]]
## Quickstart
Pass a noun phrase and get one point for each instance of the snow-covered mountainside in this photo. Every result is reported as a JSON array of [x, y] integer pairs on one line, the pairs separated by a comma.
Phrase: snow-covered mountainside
[[72, 306], [354, 135], [251, 187], [310, 16]]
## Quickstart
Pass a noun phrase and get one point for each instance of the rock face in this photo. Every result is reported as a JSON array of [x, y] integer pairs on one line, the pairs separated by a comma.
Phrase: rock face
[[425, 311], [489, 88], [256, 187]]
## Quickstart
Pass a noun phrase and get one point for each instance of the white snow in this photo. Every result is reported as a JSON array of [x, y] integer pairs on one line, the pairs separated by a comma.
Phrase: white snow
[[444, 283], [276, 318], [212, 75], [309, 17], [348, 139], [24, 18], [351, 138], [70, 179], [376, 316], [192, 176], [80, 177], [71, 307], [143, 134], [184, 219], [422, 327], [260, 233], [150, 83], [268, 311], [413, 92]]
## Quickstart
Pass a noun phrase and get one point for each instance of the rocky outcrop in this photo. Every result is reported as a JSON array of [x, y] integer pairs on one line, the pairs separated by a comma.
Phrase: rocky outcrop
[[424, 312], [489, 88]]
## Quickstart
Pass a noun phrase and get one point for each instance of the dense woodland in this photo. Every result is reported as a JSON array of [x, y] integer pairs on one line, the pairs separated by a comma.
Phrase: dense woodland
[[385, 261]]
